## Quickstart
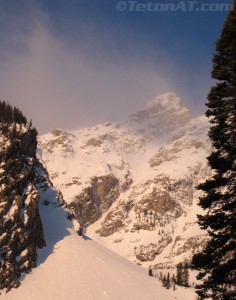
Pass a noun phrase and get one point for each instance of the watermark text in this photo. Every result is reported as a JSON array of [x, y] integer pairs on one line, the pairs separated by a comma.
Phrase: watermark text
[[181, 6]]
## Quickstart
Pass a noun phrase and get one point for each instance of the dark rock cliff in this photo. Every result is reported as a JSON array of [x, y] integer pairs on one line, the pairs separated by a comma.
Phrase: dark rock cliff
[[21, 231]]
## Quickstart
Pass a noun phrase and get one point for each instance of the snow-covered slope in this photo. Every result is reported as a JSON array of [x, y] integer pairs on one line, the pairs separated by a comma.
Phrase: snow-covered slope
[[76, 268], [133, 183]]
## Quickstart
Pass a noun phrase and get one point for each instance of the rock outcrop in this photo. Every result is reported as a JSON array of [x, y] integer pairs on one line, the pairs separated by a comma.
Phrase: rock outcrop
[[96, 199], [22, 177]]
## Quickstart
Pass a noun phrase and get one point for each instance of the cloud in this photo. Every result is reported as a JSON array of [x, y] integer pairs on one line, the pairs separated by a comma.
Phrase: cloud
[[69, 84]]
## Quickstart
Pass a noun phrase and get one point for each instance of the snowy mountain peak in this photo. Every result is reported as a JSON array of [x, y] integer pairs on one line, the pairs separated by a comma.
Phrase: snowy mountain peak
[[166, 101], [162, 115]]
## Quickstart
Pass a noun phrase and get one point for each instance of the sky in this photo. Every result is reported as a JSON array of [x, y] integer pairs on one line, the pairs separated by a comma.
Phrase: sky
[[76, 63]]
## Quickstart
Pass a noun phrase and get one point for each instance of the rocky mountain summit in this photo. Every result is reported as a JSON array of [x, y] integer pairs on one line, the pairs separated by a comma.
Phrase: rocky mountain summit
[[22, 179], [133, 183]]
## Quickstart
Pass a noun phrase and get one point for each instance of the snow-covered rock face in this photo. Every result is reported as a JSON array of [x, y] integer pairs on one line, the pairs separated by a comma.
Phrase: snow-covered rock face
[[22, 179], [134, 183], [20, 225]]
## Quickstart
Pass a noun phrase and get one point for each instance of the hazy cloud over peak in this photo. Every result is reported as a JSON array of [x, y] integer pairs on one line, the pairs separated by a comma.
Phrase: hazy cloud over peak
[[81, 78]]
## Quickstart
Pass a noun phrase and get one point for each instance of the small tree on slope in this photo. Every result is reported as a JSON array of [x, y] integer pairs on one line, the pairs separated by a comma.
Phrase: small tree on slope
[[217, 262], [179, 274], [185, 275]]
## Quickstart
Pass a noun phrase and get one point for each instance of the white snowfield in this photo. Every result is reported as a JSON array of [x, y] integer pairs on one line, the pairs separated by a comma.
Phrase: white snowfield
[[77, 268]]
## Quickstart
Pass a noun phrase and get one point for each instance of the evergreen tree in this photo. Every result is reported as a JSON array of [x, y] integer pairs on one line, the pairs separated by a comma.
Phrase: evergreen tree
[[168, 283], [217, 262], [185, 276], [179, 274], [173, 279], [174, 287], [160, 276], [10, 114], [164, 281]]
